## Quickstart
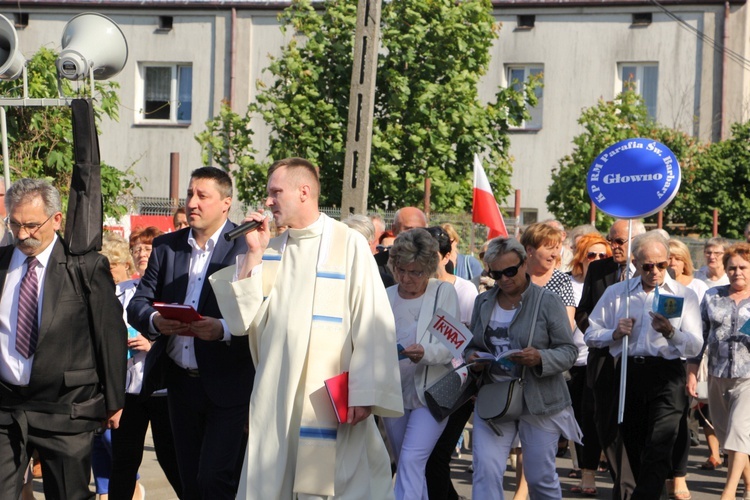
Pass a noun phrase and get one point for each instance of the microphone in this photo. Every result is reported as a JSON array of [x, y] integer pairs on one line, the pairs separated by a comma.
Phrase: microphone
[[246, 227]]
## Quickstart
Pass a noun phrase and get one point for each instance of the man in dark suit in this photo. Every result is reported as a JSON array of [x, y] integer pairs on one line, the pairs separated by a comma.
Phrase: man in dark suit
[[208, 373], [62, 348], [600, 372]]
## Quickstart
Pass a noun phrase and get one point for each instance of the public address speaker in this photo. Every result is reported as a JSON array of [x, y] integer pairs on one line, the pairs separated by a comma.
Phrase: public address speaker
[[92, 41], [11, 59]]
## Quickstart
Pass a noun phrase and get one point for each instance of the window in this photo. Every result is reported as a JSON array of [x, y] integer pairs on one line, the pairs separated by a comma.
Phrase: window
[[517, 75], [525, 22], [166, 93], [643, 79], [642, 19], [166, 23], [20, 20]]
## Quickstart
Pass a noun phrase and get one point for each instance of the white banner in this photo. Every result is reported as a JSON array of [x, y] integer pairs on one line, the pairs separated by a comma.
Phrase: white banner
[[450, 332]]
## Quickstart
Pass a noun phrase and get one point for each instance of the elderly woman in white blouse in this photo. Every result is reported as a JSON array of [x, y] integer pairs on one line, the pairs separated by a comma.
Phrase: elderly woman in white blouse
[[422, 358]]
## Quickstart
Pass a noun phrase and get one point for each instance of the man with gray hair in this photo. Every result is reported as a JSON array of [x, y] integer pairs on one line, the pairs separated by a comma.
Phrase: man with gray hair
[[600, 366], [62, 348], [655, 392]]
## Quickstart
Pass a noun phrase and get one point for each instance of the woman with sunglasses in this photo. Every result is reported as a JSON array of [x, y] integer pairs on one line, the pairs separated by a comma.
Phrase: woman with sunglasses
[[502, 320], [423, 359], [589, 248], [725, 311]]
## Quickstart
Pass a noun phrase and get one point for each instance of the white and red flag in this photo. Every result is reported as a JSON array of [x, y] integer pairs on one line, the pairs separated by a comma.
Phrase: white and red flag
[[485, 209]]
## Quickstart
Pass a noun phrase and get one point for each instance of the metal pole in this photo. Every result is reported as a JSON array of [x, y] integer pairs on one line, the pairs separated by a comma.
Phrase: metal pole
[[174, 179], [427, 197], [6, 161], [624, 355]]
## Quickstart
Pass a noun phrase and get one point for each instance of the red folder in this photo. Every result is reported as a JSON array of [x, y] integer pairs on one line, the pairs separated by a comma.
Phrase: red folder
[[338, 391], [180, 312]]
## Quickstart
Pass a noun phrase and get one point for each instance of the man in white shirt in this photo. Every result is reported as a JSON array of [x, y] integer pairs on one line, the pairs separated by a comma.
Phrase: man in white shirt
[[655, 391], [208, 373]]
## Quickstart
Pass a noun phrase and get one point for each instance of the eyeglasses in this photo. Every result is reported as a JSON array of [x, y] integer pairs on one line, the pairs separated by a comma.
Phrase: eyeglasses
[[616, 241], [382, 248], [508, 272], [30, 228], [141, 249], [594, 255], [411, 274], [713, 253], [647, 268]]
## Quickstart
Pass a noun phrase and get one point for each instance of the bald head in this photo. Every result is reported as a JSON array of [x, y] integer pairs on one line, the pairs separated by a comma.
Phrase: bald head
[[408, 218]]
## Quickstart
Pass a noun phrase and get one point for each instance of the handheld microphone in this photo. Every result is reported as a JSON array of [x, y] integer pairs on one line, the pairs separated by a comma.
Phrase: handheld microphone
[[246, 227]]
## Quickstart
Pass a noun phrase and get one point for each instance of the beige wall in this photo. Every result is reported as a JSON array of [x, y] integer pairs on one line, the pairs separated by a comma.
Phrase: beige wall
[[579, 48]]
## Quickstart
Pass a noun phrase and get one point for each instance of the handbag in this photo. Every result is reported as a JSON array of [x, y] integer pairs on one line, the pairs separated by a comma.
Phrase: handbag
[[500, 402], [702, 377], [450, 392]]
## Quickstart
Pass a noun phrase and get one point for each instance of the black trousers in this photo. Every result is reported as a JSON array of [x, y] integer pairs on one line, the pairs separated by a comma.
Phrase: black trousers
[[438, 470], [66, 459], [583, 407], [127, 445], [654, 405], [210, 440]]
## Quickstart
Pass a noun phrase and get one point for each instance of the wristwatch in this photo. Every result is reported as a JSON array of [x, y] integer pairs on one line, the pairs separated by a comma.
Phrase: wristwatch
[[670, 335]]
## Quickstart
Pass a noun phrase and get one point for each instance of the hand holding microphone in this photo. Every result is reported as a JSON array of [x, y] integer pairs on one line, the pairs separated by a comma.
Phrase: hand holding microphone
[[246, 227]]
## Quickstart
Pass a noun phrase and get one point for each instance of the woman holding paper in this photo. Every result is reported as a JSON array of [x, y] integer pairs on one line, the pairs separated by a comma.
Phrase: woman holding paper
[[503, 320], [422, 358], [725, 311]]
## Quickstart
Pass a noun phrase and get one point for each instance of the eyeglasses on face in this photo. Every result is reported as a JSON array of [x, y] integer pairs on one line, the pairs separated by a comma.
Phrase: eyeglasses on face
[[508, 272], [647, 268], [713, 253], [141, 249], [411, 274], [31, 227], [617, 241], [594, 255]]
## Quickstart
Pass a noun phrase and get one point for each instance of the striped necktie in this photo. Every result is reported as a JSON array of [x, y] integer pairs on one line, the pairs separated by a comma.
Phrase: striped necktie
[[27, 327]]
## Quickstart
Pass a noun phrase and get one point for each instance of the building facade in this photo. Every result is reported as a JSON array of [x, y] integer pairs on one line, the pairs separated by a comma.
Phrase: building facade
[[186, 58]]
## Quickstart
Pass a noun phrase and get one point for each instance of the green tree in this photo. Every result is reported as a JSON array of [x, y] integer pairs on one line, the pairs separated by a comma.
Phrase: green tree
[[40, 139], [721, 180], [606, 123], [428, 119]]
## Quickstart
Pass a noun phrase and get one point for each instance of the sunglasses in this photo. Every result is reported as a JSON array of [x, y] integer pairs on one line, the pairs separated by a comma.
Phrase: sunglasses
[[617, 241], [594, 255], [508, 272], [647, 268]]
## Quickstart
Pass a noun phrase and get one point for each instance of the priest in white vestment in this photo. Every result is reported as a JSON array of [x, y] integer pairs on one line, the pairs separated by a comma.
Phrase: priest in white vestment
[[314, 306]]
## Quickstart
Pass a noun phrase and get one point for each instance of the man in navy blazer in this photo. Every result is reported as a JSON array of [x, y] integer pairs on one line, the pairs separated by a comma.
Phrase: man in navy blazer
[[208, 373]]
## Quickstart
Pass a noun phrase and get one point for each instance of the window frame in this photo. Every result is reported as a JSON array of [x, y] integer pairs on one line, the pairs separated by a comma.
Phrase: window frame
[[528, 68], [638, 80], [174, 120]]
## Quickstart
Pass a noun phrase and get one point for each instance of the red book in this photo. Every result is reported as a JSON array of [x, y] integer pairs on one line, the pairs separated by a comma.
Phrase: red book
[[180, 312], [338, 391]]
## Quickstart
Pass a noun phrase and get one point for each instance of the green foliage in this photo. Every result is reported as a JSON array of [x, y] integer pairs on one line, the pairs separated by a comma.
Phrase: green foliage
[[40, 139], [428, 120], [721, 179], [606, 123]]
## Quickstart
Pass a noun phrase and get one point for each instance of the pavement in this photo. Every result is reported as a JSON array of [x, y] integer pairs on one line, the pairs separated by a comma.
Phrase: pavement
[[704, 485]]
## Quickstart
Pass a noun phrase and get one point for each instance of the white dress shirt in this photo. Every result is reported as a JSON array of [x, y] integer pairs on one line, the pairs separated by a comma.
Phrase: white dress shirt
[[14, 368], [644, 340], [181, 348]]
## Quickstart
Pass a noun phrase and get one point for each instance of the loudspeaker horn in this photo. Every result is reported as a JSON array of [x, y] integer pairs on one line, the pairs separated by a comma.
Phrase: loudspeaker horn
[[91, 40], [11, 60]]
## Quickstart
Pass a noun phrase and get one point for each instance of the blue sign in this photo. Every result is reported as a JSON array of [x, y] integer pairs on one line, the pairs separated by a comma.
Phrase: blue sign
[[633, 178]]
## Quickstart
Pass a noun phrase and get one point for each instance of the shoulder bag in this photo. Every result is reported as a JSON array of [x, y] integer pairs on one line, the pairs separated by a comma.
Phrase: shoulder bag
[[500, 402], [451, 391]]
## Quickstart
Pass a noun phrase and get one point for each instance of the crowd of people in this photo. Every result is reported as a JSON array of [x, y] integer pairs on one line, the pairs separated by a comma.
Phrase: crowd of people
[[235, 381]]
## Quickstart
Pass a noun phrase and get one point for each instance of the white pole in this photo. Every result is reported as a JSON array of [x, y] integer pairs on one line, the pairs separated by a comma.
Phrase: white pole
[[624, 355], [6, 161]]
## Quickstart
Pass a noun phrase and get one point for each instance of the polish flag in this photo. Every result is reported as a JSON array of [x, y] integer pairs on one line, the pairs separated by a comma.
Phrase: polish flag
[[485, 209]]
